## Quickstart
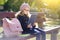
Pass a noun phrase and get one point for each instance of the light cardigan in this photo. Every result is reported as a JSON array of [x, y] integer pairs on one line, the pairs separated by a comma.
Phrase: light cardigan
[[12, 27]]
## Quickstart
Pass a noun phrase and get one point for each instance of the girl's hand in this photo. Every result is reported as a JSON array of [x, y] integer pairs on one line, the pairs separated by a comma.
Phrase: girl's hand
[[29, 26]]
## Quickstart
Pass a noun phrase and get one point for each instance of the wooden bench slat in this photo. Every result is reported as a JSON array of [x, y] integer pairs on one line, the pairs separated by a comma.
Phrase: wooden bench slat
[[7, 14], [50, 29]]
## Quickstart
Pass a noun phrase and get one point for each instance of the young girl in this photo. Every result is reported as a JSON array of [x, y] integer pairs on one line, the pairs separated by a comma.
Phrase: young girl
[[23, 16]]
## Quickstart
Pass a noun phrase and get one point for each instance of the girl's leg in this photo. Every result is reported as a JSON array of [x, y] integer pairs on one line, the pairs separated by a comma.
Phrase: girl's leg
[[36, 33], [42, 33], [38, 36]]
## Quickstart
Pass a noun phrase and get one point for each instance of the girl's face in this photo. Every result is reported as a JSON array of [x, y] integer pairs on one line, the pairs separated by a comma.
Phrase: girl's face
[[26, 10]]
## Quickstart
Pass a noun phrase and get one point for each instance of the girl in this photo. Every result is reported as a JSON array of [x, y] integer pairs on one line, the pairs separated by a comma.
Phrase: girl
[[23, 16]]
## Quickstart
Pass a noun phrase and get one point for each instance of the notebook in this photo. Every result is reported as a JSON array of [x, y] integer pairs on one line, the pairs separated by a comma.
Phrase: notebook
[[32, 19]]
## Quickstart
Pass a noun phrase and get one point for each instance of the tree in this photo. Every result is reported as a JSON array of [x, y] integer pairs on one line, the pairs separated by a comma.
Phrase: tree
[[2, 2], [15, 4]]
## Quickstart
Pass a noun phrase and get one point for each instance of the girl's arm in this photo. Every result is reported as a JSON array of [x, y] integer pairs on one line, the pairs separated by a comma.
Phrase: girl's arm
[[17, 13]]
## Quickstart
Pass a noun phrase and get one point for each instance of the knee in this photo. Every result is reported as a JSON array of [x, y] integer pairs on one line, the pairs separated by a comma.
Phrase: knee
[[38, 34], [43, 33]]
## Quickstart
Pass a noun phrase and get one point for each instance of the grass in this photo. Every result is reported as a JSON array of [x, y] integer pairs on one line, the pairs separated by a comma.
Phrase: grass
[[53, 22], [1, 29]]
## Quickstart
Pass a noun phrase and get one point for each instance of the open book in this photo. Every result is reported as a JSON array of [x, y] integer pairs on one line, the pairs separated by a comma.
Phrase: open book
[[32, 19]]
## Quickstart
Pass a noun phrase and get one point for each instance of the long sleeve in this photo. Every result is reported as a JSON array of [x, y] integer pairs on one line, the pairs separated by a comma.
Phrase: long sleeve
[[24, 21]]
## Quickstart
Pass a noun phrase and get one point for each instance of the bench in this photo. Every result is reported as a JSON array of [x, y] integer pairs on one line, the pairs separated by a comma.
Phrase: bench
[[53, 31], [6, 14], [48, 30]]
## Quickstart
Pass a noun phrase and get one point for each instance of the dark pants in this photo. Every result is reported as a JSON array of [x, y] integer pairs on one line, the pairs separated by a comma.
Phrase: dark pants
[[38, 32]]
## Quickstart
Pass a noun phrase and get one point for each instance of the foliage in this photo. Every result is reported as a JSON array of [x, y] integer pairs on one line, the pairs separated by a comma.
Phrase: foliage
[[14, 5], [2, 2], [36, 5]]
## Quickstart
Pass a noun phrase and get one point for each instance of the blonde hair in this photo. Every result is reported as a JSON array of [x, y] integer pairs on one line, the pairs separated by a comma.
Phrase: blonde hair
[[23, 6]]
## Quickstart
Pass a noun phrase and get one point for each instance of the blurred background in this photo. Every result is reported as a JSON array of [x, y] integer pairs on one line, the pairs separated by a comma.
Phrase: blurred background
[[50, 7]]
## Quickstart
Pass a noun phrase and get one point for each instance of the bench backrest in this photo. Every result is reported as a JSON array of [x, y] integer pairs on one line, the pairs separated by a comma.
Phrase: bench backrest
[[7, 14], [12, 15]]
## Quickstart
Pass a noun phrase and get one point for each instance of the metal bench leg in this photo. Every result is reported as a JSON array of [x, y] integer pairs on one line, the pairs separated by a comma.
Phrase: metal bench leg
[[43, 36], [38, 36], [54, 35]]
